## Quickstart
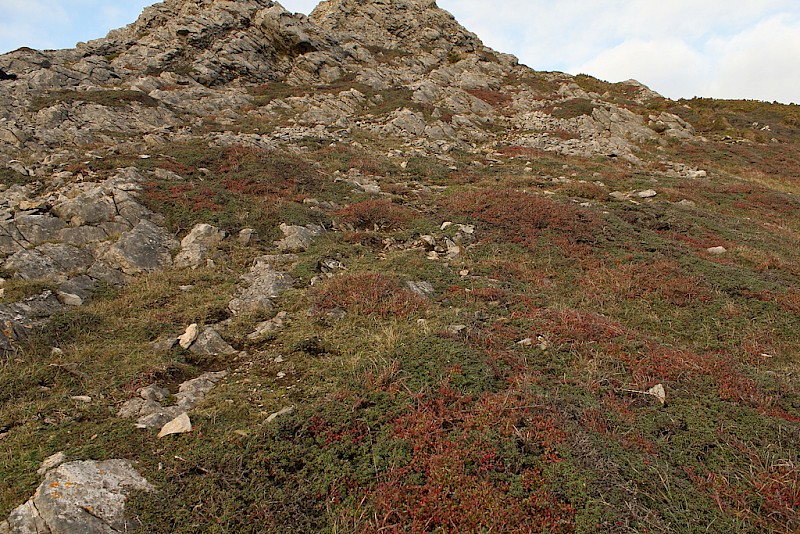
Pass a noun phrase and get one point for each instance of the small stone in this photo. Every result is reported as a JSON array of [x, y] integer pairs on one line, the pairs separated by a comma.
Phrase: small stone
[[247, 236], [467, 229], [210, 343], [189, 336], [421, 288], [285, 411], [28, 205], [52, 462], [658, 392], [180, 425], [463, 273], [618, 195], [164, 344], [153, 393], [648, 193], [717, 250], [446, 225], [81, 398], [281, 375], [527, 342], [68, 299]]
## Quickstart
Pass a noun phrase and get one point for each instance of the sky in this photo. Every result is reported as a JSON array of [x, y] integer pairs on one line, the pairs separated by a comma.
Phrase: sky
[[680, 48]]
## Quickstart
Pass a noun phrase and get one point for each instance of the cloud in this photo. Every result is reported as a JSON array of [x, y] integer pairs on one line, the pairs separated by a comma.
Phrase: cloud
[[61, 23], [759, 63], [34, 23], [667, 65], [681, 48]]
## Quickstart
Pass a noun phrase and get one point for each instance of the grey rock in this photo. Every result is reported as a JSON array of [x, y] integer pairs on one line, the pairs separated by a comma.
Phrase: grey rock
[[138, 407], [92, 207], [210, 343], [32, 265], [153, 393], [82, 235], [51, 462], [81, 286], [49, 262], [203, 234], [197, 246], [267, 327], [149, 411], [247, 236], [83, 496], [38, 229], [180, 425], [191, 392], [298, 238], [145, 248], [189, 336], [263, 284], [423, 289]]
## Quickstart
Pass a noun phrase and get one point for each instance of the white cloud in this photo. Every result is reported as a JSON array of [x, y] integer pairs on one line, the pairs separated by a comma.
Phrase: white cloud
[[667, 65], [681, 48], [760, 63]]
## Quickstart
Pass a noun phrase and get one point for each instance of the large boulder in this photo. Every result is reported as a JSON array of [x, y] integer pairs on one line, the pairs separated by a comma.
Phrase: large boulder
[[263, 284], [86, 497], [143, 249], [197, 246]]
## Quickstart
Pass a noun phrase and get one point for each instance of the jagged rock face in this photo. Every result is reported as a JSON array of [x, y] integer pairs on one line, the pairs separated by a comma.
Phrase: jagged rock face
[[158, 78], [216, 41], [399, 24]]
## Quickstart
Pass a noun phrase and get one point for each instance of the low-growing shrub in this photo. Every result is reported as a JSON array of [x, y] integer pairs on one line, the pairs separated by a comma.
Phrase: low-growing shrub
[[368, 293], [493, 98], [521, 217], [375, 215]]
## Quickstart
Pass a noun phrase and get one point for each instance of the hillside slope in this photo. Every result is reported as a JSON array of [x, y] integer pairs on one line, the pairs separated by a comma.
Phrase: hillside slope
[[396, 280]]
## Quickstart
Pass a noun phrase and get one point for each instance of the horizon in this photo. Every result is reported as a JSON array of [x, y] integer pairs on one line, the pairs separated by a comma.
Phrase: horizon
[[747, 53]]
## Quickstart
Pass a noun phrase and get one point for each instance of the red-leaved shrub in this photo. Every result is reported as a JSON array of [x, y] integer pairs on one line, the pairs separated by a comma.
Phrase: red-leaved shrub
[[375, 214], [368, 293]]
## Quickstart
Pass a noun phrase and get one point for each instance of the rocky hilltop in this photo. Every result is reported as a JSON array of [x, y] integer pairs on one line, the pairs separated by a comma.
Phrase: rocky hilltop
[[434, 288]]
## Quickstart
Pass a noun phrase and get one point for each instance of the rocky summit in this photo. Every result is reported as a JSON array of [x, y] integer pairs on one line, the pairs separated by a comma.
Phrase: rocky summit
[[357, 272]]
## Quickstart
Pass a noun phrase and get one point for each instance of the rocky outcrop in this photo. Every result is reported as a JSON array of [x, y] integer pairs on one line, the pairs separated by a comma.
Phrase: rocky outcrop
[[151, 410], [72, 237]]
